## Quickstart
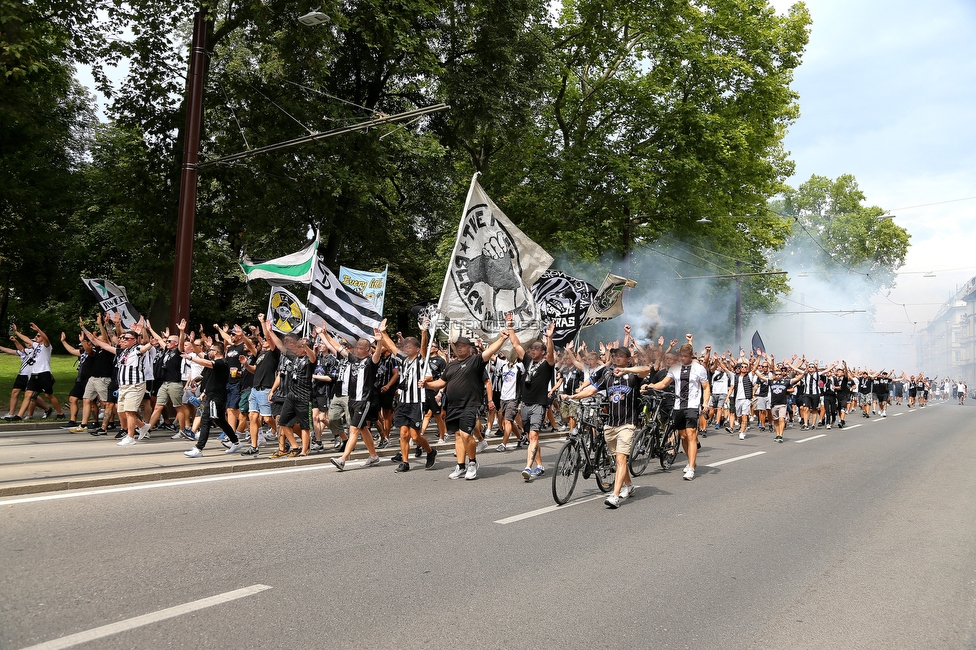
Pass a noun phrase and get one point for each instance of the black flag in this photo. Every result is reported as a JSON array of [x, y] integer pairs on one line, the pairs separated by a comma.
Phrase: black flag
[[757, 343]]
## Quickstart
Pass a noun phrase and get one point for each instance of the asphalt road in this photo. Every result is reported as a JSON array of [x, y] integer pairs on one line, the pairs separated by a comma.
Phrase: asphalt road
[[861, 538]]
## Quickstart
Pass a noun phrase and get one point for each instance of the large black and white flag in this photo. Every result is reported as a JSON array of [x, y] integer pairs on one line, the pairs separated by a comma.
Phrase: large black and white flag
[[492, 267], [112, 299], [332, 304], [563, 300], [609, 300]]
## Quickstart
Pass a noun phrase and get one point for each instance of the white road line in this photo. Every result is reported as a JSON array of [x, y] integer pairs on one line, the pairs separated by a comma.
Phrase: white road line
[[732, 460], [897, 414], [854, 426], [71, 494], [877, 420], [546, 510], [822, 435], [146, 619]]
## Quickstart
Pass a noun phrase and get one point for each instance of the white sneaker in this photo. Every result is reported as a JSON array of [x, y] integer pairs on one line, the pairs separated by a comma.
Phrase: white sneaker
[[126, 441], [612, 501], [742, 436], [828, 426], [234, 448], [689, 473], [193, 452], [481, 446], [457, 473], [501, 448], [143, 431], [372, 460], [472, 471], [176, 436], [627, 490]]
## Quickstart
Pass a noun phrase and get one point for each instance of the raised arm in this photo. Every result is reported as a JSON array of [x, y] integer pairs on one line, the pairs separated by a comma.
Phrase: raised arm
[[73, 351]]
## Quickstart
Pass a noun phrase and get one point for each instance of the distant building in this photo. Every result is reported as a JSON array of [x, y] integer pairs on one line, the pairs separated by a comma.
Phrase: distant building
[[947, 345]]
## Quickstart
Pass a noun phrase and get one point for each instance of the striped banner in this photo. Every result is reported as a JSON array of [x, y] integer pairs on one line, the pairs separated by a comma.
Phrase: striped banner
[[338, 308]]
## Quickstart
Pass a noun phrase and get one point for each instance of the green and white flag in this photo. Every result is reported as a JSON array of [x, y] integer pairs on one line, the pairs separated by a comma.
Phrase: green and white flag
[[297, 267]]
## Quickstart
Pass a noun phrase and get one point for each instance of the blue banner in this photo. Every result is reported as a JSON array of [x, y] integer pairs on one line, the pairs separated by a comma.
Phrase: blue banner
[[371, 286]]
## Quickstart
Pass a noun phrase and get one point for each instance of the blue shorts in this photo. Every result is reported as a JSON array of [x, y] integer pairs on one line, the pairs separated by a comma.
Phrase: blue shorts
[[233, 395], [257, 402]]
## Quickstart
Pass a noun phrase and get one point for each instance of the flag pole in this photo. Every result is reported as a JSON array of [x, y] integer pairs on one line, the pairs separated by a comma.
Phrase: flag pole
[[447, 274]]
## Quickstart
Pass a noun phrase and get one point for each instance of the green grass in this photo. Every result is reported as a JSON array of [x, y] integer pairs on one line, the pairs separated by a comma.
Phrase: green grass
[[62, 366]]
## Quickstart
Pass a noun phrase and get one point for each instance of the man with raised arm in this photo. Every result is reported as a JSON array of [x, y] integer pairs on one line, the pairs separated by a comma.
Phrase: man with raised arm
[[539, 363], [358, 376], [691, 389], [131, 375], [463, 384], [41, 381], [213, 406]]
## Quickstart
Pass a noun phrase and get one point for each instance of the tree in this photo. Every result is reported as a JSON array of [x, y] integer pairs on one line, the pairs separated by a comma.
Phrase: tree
[[836, 233]]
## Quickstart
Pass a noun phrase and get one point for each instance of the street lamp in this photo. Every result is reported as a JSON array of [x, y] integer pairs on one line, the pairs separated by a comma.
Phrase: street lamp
[[313, 18]]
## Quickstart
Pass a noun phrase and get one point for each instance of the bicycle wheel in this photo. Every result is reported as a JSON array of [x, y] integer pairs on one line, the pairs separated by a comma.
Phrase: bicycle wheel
[[605, 466], [669, 448], [565, 472], [640, 451]]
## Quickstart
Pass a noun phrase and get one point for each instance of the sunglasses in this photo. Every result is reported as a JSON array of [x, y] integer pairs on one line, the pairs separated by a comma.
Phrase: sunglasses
[[128, 338]]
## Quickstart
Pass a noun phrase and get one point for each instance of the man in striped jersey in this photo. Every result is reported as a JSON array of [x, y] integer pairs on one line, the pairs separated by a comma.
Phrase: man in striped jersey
[[691, 389], [357, 379], [409, 412], [131, 374]]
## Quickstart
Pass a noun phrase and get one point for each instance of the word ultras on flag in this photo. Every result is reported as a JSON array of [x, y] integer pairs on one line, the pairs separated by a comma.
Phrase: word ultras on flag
[[491, 270]]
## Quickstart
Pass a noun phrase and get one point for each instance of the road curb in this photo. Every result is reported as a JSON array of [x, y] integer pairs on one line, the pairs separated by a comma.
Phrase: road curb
[[255, 465]]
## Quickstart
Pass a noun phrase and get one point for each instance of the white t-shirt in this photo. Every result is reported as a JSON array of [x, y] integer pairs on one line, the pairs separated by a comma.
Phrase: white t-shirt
[[38, 358], [687, 391], [720, 382], [148, 361], [509, 373]]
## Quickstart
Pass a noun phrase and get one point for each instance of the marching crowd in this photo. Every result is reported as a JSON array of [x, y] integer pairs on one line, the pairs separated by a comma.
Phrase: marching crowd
[[260, 387]]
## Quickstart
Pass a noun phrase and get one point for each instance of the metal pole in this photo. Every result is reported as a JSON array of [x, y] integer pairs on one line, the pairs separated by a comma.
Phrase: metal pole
[[738, 313], [180, 301]]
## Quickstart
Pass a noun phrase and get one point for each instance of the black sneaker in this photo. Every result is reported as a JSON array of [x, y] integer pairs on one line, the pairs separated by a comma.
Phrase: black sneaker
[[250, 452], [120, 434], [338, 444], [418, 452], [48, 413], [98, 432], [111, 426], [317, 446], [430, 459], [15, 418], [60, 416], [70, 424], [383, 444], [402, 467], [397, 457]]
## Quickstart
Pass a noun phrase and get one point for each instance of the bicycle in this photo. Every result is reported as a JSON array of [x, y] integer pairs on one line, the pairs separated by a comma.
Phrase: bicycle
[[585, 451], [655, 439]]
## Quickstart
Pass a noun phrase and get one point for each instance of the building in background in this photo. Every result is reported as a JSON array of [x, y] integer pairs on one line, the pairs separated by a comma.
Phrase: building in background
[[947, 345]]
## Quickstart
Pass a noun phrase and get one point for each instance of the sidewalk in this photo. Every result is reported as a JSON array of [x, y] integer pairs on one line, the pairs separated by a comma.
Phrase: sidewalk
[[47, 459]]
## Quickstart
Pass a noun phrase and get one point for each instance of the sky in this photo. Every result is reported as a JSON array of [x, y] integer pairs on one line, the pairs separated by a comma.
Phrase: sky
[[887, 90]]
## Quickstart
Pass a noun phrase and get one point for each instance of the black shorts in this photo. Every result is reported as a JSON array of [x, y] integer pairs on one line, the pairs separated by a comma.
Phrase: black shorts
[[320, 402], [21, 382], [408, 415], [78, 390], [152, 387], [430, 403], [461, 419], [843, 398], [294, 412], [684, 419], [808, 401], [373, 412], [359, 412], [113, 391], [234, 395], [276, 408], [882, 397], [912, 392], [386, 399], [41, 383]]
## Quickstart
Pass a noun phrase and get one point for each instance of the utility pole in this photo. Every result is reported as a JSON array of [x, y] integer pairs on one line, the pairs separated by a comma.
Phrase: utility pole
[[182, 269], [738, 306]]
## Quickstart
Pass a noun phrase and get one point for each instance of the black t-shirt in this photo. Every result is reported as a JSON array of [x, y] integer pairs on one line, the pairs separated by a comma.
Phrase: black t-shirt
[[882, 385], [536, 380], [435, 369], [865, 385], [265, 369], [170, 364], [215, 380], [103, 364], [778, 392], [300, 386], [465, 382], [572, 380], [232, 354]]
